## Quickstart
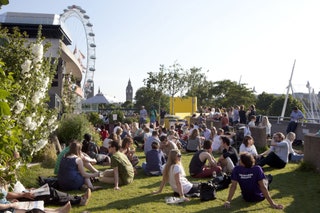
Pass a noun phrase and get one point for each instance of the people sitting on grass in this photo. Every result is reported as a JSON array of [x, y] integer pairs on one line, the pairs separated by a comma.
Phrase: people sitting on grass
[[229, 157], [138, 133], [166, 146], [121, 172], [277, 155], [9, 202], [146, 135], [103, 132], [294, 156], [128, 149], [253, 182], [87, 161], [174, 137], [194, 141], [93, 151], [248, 146], [198, 167], [105, 144], [55, 197], [119, 133], [265, 123], [155, 161], [72, 174], [216, 139], [175, 175], [252, 121], [150, 140]]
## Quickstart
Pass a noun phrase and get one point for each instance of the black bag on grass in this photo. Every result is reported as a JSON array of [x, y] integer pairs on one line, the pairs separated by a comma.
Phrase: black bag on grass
[[207, 191], [224, 182]]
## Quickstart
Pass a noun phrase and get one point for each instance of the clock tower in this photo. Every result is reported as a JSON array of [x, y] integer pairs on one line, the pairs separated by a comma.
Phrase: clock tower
[[129, 92]]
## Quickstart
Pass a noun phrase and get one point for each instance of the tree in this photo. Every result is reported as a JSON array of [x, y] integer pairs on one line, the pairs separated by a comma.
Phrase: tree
[[229, 93], [264, 101], [277, 105], [175, 81], [3, 2], [156, 82], [127, 105], [170, 81], [194, 80], [145, 97]]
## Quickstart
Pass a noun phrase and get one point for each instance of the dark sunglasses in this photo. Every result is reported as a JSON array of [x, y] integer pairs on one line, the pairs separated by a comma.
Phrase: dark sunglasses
[[179, 155]]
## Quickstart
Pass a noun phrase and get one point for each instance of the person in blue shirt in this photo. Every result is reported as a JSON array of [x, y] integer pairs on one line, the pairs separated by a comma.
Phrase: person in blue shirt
[[295, 116], [155, 161]]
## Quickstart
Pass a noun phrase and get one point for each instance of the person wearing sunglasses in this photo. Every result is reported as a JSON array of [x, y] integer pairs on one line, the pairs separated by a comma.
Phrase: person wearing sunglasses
[[175, 175]]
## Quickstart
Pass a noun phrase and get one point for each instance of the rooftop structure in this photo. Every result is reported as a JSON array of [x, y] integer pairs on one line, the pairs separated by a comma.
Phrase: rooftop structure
[[56, 35]]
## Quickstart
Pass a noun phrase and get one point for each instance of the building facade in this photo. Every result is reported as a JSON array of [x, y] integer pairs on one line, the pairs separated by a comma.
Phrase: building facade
[[53, 32]]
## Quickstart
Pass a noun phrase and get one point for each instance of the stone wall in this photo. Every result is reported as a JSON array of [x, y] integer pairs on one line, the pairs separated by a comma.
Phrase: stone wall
[[259, 135], [301, 131], [277, 126], [312, 150]]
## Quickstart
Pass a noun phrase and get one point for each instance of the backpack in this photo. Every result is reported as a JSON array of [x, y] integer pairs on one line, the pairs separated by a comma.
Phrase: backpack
[[207, 191], [221, 182]]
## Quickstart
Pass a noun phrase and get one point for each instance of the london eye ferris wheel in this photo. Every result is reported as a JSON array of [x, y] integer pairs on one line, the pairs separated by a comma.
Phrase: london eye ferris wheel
[[78, 24]]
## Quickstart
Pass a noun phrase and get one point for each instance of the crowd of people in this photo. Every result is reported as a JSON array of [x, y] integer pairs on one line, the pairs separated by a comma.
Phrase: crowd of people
[[163, 148]]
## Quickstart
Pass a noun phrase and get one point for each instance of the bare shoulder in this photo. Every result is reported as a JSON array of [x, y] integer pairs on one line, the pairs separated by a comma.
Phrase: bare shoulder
[[205, 155]]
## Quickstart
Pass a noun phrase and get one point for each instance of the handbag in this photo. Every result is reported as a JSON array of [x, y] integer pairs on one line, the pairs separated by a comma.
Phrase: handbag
[[207, 191]]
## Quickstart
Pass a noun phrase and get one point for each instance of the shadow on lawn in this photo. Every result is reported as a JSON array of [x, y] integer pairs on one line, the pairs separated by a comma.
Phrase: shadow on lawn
[[122, 204], [301, 189]]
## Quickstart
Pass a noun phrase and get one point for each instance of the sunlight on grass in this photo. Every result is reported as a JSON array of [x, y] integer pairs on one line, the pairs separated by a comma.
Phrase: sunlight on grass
[[297, 190]]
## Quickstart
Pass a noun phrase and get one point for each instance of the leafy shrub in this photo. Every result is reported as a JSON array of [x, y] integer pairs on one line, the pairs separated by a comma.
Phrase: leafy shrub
[[74, 126], [26, 75], [130, 120], [120, 116], [94, 118]]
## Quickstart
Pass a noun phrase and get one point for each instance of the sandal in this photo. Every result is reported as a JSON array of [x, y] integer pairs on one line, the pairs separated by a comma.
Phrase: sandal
[[85, 198]]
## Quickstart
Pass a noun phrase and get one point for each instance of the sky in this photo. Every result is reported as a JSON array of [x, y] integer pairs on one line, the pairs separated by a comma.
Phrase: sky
[[249, 41]]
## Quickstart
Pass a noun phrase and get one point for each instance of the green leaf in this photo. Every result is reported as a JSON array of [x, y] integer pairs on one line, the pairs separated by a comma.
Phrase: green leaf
[[4, 109], [4, 94]]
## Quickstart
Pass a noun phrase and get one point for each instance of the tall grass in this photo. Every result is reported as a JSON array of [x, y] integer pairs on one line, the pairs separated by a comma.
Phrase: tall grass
[[298, 190]]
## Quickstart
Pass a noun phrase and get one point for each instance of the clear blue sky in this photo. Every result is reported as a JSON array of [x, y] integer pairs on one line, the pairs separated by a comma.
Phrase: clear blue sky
[[255, 41]]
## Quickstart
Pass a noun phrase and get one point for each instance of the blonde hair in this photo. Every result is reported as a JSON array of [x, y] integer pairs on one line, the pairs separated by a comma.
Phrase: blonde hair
[[172, 159], [265, 121], [291, 136]]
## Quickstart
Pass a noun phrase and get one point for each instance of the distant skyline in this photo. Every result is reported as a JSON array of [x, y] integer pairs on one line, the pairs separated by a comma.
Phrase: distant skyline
[[252, 41]]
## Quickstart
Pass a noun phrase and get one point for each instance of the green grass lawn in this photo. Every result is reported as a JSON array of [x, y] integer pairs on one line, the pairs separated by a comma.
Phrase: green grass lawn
[[297, 190]]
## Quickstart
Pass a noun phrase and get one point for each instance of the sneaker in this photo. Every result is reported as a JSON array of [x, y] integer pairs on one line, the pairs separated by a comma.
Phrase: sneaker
[[85, 198], [173, 200], [269, 178]]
